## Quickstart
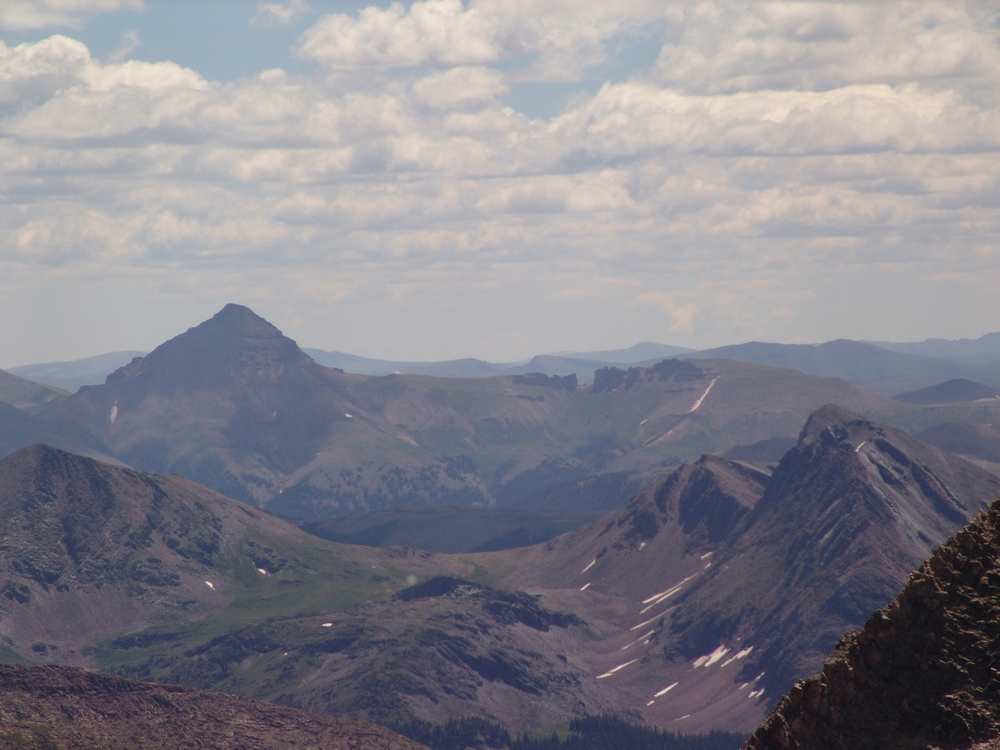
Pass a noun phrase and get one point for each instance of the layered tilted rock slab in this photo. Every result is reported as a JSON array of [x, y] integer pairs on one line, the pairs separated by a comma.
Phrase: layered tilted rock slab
[[72, 709], [721, 586], [921, 674]]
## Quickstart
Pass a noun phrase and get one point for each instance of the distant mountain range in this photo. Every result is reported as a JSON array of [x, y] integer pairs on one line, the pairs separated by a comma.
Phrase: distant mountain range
[[867, 365], [873, 365], [70, 376], [237, 406]]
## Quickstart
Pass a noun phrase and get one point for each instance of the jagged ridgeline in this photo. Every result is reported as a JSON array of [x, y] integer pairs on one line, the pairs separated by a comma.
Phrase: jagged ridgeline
[[923, 673]]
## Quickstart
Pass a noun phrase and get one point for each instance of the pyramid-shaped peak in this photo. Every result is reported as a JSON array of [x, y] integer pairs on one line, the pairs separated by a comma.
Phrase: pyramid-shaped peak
[[232, 340], [240, 319]]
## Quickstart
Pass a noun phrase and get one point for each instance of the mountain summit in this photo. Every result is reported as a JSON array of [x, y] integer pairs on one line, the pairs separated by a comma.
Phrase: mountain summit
[[235, 343], [231, 403]]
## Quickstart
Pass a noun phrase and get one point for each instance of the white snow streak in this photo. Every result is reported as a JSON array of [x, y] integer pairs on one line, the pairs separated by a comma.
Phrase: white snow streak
[[592, 563], [859, 447], [637, 640], [666, 690], [651, 619], [709, 659], [698, 402], [210, 585], [585, 586], [612, 671], [663, 595], [739, 655]]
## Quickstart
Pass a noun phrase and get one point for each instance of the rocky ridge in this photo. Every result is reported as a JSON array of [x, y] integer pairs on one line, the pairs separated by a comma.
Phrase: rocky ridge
[[921, 674], [61, 708]]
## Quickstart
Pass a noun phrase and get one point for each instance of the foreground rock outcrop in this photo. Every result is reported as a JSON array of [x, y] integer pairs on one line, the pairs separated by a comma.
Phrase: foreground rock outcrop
[[71, 709], [923, 673]]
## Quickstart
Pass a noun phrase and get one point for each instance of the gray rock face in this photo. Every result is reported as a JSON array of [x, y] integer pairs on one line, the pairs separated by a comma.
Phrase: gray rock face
[[922, 673]]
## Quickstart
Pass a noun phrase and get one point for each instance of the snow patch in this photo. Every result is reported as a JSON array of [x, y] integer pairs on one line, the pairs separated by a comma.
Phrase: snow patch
[[210, 585], [612, 671], [262, 571], [348, 415], [642, 544], [585, 586], [709, 659], [859, 447], [664, 595], [707, 554], [327, 625], [698, 402], [739, 655], [666, 690], [685, 716], [637, 640], [592, 563], [668, 610], [755, 693], [114, 413]]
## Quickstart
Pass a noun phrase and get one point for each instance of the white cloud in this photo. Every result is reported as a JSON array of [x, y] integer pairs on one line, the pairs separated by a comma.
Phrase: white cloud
[[565, 37], [21, 15], [728, 46], [460, 88], [280, 14], [734, 189]]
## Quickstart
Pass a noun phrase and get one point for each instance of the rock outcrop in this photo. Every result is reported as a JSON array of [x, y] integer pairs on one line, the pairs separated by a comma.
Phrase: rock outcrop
[[72, 709], [924, 673]]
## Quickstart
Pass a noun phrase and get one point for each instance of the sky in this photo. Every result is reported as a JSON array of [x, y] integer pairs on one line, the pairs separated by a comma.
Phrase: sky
[[497, 178]]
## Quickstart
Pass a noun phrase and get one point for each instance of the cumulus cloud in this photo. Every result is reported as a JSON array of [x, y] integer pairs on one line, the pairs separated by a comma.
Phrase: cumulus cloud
[[767, 156], [565, 37], [727, 46], [21, 15]]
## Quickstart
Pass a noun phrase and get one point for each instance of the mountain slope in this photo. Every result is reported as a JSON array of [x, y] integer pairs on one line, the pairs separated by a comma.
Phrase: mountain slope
[[76, 373], [921, 673], [89, 550], [25, 394], [708, 620], [864, 364], [984, 349], [60, 707], [441, 649], [949, 391]]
